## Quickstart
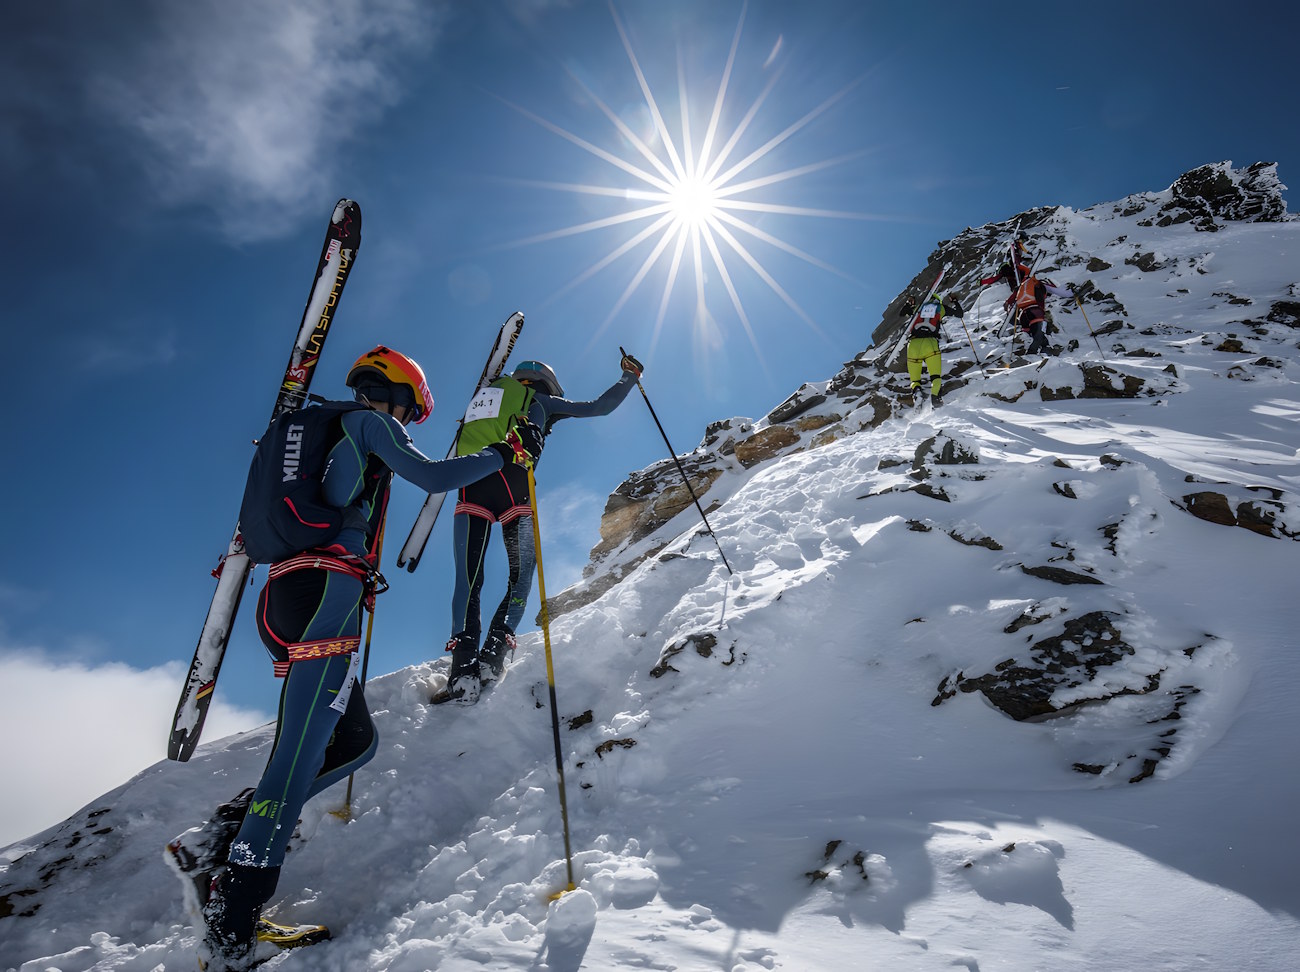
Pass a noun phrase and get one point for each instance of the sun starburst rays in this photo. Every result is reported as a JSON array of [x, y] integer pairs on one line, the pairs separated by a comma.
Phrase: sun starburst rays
[[699, 198]]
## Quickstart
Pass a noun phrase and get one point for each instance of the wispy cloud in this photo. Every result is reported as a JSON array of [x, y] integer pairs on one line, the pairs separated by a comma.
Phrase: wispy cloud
[[77, 730], [126, 349], [252, 103]]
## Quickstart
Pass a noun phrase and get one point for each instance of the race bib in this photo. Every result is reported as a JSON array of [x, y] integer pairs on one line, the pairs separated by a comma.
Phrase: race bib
[[929, 312], [485, 405]]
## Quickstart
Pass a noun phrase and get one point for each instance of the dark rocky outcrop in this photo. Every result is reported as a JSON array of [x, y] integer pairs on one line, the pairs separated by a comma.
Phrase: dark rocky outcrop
[[1213, 193], [1260, 509]]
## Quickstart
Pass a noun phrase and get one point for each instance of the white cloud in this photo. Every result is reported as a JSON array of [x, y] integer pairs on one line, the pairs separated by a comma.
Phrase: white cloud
[[250, 103], [73, 732], [123, 347]]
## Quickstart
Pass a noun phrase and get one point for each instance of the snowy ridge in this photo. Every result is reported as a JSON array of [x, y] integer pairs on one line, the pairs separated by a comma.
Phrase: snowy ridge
[[814, 764], [1142, 248]]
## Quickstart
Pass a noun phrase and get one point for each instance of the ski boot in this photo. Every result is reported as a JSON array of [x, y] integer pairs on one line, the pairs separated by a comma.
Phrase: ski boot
[[463, 676], [232, 919], [497, 650], [243, 939], [198, 856]]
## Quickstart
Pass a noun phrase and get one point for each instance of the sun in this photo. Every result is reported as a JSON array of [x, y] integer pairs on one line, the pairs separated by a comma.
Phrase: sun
[[694, 205]]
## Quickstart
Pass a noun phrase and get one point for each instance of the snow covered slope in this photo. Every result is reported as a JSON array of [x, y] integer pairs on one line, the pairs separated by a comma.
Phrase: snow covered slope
[[987, 689]]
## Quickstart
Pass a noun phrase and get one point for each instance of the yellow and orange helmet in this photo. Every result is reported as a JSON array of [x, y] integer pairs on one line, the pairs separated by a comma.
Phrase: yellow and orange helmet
[[385, 375]]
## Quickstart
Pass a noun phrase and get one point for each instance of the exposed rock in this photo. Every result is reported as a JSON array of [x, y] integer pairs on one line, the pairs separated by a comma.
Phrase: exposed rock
[[609, 745], [826, 437], [1285, 312], [721, 436], [987, 542], [1023, 689], [642, 505], [1262, 517], [765, 444], [703, 642], [944, 450], [1059, 575], [1099, 381], [1146, 262], [1210, 506], [1268, 516], [934, 492], [855, 862], [1217, 191], [805, 398], [882, 408], [580, 595], [810, 423], [1036, 614]]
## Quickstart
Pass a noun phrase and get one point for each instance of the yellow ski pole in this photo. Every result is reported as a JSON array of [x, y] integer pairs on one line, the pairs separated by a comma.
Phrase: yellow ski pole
[[550, 679]]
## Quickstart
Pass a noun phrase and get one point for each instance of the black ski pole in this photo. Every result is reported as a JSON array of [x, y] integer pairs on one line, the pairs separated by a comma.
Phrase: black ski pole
[[685, 478], [971, 342]]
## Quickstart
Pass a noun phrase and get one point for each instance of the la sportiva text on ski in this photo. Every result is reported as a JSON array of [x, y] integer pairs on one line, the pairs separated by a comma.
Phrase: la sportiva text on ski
[[342, 240]]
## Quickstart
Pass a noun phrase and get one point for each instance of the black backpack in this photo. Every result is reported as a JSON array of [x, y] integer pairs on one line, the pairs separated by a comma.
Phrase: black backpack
[[282, 513]]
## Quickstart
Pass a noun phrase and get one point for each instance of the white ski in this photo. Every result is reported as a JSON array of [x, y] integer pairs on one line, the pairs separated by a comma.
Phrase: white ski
[[342, 240]]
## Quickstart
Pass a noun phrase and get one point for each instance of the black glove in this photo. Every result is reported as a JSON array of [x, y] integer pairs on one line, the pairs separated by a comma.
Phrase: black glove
[[530, 437], [631, 364], [523, 445]]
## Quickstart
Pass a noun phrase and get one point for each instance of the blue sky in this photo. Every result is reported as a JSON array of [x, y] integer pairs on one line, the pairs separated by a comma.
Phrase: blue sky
[[171, 168]]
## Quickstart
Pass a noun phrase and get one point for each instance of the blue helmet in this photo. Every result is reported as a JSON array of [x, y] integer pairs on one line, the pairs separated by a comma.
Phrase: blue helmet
[[539, 374]]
